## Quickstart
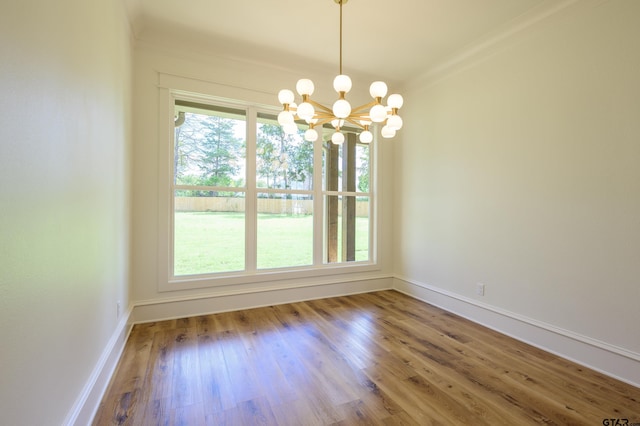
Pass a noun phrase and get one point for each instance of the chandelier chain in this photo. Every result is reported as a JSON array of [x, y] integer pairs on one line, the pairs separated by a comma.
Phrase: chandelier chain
[[341, 36]]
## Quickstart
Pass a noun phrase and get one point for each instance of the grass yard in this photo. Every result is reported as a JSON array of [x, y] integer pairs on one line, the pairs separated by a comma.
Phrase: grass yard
[[209, 242]]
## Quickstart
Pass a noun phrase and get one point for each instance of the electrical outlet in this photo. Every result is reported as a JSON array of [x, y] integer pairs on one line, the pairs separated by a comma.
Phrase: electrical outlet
[[480, 289], [118, 309]]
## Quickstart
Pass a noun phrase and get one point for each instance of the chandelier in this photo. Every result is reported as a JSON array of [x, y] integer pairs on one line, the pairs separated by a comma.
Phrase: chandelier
[[362, 117]]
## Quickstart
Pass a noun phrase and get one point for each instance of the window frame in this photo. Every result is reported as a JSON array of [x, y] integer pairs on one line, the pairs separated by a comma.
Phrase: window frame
[[245, 99]]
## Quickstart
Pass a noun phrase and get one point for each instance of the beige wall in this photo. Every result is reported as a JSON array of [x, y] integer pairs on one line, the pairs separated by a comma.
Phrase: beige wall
[[64, 209], [521, 171]]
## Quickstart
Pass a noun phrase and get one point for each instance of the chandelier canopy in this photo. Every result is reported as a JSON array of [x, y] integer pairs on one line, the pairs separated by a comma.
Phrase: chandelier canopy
[[316, 114]]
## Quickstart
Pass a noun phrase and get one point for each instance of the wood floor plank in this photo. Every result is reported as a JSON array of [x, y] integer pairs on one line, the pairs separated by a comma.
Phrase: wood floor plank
[[185, 380], [188, 415], [270, 378], [400, 419], [379, 358], [379, 402], [409, 401], [357, 413], [242, 375], [256, 412], [157, 412], [322, 362], [160, 369], [216, 385], [299, 412], [123, 399]]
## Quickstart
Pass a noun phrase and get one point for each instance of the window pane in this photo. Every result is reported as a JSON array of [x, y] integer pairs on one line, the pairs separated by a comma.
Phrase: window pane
[[209, 148], [362, 167], [285, 230], [282, 161], [331, 167], [362, 229], [208, 233], [346, 229], [346, 166]]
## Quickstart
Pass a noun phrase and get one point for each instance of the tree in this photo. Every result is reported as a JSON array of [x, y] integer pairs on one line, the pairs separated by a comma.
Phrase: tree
[[267, 164], [301, 163], [207, 153], [186, 151], [363, 168], [283, 160], [220, 152]]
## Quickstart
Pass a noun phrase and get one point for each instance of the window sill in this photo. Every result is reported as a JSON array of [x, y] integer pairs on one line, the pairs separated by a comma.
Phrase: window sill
[[311, 273]]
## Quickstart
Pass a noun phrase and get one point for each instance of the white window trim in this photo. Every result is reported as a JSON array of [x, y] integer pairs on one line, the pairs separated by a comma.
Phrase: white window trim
[[171, 88]]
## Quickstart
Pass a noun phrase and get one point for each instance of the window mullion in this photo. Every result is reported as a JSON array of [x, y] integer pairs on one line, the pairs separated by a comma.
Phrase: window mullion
[[318, 204], [251, 204], [374, 229]]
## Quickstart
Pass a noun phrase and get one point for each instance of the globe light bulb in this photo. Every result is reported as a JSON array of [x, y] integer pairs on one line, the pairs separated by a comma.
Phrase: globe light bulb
[[306, 111], [337, 123], [341, 108], [337, 138], [395, 101], [285, 96], [378, 89], [285, 117], [311, 135], [342, 83], [304, 86], [395, 122], [290, 128], [378, 113], [366, 137], [387, 132]]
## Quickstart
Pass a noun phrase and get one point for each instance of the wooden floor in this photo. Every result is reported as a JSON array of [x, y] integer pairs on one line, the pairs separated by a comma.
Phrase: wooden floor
[[378, 358]]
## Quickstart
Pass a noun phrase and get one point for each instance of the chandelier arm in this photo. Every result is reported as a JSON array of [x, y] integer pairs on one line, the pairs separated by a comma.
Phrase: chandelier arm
[[323, 121], [320, 106], [355, 123], [359, 116], [365, 106], [323, 115]]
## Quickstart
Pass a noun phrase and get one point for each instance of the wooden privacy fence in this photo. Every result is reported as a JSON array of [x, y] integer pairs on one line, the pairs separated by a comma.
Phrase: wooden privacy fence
[[265, 205]]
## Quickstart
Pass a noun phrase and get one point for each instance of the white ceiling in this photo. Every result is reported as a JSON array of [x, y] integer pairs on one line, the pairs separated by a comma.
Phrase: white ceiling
[[395, 40]]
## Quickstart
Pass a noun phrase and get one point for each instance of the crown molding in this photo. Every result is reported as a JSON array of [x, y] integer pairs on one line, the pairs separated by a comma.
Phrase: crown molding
[[503, 37]]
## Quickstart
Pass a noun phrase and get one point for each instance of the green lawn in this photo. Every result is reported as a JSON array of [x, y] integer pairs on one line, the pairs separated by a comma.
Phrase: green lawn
[[208, 242]]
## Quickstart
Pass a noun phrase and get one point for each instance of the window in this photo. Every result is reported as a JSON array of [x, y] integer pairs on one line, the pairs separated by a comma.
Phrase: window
[[249, 199], [284, 181], [209, 164], [346, 195]]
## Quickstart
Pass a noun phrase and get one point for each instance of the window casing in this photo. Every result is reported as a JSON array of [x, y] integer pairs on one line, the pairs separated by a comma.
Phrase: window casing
[[286, 209]]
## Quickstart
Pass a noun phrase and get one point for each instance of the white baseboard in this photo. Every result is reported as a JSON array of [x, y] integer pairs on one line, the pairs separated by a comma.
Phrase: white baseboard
[[225, 300], [608, 359], [87, 403]]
